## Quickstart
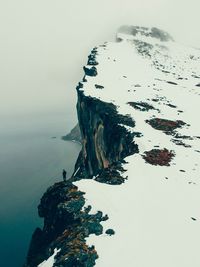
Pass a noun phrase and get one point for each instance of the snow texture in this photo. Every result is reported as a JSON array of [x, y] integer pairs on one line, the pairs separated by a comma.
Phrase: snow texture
[[156, 213]]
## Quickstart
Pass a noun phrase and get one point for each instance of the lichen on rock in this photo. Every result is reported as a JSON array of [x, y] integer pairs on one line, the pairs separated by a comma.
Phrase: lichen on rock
[[67, 223]]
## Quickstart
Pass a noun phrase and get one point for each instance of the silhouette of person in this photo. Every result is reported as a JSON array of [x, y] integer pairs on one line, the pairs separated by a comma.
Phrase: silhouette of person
[[64, 173]]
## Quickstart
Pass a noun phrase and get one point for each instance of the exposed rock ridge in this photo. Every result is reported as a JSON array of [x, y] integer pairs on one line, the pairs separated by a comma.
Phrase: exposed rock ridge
[[105, 140], [66, 226], [129, 87]]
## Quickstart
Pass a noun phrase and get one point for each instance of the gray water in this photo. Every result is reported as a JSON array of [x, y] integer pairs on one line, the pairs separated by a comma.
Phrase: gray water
[[31, 159]]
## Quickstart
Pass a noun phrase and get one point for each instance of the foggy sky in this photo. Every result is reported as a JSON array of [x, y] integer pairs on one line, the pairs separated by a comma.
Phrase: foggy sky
[[45, 43]]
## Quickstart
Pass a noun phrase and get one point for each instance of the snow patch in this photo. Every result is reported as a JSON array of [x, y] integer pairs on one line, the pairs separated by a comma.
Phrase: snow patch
[[156, 213]]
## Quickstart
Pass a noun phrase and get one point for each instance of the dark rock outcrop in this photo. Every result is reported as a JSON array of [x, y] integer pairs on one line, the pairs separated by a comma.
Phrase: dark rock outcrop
[[104, 139], [99, 86], [92, 57], [66, 225], [90, 71], [110, 232]]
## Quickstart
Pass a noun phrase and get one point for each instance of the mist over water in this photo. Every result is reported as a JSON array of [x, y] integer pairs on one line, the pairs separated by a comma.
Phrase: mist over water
[[30, 161], [44, 45]]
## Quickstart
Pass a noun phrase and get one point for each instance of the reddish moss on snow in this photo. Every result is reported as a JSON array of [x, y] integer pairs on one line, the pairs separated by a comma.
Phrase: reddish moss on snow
[[164, 125], [159, 157]]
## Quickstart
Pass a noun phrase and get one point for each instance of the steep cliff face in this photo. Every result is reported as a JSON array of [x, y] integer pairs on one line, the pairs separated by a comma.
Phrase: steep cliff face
[[137, 107], [105, 139]]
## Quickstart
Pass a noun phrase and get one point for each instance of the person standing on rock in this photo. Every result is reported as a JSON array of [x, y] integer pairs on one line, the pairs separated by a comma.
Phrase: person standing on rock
[[64, 173]]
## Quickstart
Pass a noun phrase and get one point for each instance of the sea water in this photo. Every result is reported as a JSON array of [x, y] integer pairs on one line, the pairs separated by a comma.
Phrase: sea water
[[32, 156]]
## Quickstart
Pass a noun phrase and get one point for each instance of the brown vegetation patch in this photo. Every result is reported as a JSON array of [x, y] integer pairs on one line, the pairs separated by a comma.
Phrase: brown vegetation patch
[[159, 157], [164, 125]]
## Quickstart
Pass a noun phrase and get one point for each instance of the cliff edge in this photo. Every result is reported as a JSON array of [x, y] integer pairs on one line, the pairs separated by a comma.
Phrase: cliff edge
[[133, 199]]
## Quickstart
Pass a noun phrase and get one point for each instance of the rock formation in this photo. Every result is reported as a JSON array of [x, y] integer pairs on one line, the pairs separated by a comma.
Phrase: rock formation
[[133, 199], [74, 135]]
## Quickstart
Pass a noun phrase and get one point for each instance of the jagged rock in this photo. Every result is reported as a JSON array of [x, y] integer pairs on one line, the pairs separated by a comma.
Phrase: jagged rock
[[90, 71], [92, 60], [66, 226], [105, 140], [111, 175]]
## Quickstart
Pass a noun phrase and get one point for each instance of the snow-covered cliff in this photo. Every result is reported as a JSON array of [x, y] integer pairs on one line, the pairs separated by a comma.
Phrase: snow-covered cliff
[[137, 107]]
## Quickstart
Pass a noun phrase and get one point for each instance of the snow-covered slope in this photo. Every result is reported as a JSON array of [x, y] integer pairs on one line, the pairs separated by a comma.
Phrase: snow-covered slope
[[156, 213], [134, 197]]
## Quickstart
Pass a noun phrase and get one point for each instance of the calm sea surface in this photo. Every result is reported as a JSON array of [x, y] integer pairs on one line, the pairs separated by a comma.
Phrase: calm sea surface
[[32, 156]]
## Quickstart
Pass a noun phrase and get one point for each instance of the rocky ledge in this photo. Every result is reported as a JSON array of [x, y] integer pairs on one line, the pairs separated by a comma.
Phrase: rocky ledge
[[66, 226]]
